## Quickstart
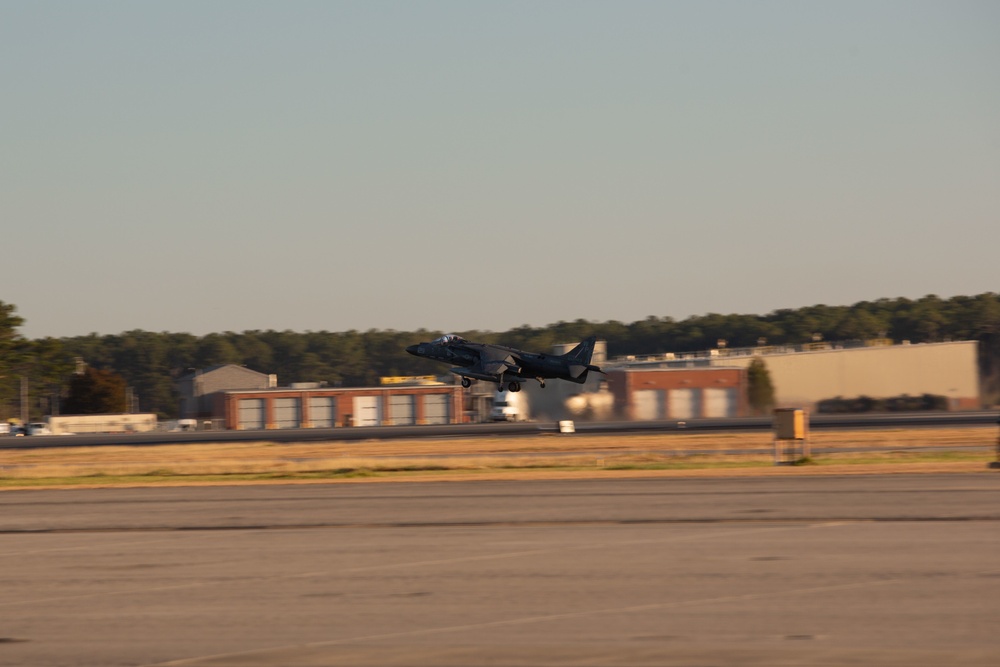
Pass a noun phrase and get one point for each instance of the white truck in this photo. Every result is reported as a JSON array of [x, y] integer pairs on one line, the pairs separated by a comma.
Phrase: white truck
[[509, 406]]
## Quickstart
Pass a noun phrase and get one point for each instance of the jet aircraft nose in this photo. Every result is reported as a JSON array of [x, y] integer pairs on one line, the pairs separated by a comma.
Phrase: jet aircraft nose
[[412, 349]]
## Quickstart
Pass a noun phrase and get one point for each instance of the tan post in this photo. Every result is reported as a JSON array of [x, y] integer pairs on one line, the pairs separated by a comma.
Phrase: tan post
[[996, 464]]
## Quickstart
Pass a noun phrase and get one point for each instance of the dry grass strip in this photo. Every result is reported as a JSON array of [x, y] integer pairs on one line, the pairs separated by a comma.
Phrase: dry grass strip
[[544, 456]]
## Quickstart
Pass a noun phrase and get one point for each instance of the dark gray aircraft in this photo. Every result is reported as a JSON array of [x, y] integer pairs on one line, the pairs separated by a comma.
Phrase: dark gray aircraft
[[506, 365]]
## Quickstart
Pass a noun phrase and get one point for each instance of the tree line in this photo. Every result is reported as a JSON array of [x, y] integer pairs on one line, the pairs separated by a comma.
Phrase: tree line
[[151, 362]]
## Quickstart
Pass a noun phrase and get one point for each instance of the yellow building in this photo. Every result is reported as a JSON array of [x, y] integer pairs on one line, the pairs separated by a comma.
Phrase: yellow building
[[802, 378]]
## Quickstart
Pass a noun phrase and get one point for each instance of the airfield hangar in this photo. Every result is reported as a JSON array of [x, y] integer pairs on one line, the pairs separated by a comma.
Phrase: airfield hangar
[[713, 383], [804, 375], [691, 385], [233, 397], [308, 405], [198, 389]]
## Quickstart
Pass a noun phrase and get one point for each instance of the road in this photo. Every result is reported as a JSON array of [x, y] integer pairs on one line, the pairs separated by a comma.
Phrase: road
[[872, 570], [745, 425]]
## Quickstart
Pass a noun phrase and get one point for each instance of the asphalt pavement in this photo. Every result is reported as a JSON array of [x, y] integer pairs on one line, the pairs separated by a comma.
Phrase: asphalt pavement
[[861, 570]]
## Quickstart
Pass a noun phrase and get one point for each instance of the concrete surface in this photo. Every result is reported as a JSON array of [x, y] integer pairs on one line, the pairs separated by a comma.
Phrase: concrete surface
[[861, 570]]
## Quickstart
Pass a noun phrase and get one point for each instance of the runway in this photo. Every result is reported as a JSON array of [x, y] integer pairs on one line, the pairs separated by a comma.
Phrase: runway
[[873, 570]]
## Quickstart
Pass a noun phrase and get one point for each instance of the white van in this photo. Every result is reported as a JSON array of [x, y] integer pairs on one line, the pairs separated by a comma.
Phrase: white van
[[509, 406], [38, 428]]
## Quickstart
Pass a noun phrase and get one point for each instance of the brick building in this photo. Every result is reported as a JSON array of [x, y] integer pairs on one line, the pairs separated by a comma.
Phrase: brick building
[[326, 407], [688, 393]]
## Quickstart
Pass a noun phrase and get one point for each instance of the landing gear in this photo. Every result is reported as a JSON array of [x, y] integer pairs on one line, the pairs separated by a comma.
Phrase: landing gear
[[466, 382], [541, 382], [514, 387]]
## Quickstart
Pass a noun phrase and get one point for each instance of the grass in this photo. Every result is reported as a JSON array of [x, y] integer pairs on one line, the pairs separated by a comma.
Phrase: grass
[[471, 469], [548, 455], [906, 457]]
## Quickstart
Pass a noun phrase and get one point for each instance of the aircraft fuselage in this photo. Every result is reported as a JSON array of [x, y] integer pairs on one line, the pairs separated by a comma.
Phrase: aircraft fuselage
[[500, 364]]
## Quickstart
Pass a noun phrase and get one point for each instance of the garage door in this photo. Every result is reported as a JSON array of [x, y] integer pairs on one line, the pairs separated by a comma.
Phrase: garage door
[[683, 403], [322, 411], [251, 414], [436, 409], [720, 402], [401, 411], [287, 413], [367, 410], [647, 404]]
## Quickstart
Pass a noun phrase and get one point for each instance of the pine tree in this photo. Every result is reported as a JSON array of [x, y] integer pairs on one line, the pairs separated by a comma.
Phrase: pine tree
[[11, 359], [760, 391]]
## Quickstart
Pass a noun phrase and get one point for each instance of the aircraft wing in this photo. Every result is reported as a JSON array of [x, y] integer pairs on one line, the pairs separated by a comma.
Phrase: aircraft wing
[[494, 367], [496, 361]]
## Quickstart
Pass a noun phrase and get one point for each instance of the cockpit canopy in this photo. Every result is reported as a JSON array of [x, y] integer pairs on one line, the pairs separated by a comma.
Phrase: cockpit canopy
[[448, 339]]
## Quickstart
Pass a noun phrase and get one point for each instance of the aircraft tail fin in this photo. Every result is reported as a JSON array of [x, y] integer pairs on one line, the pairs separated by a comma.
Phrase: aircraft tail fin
[[582, 353], [578, 360]]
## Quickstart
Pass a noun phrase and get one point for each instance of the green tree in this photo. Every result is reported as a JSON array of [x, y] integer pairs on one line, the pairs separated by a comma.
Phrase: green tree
[[12, 356], [760, 391], [47, 365], [216, 350], [9, 322], [152, 362], [256, 353], [95, 392], [860, 324]]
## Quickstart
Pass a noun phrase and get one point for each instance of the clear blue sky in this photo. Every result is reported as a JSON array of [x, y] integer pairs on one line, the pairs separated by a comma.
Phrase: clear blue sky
[[232, 165]]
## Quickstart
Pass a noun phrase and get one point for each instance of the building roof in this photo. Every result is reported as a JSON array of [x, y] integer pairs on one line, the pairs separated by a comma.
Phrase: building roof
[[212, 369]]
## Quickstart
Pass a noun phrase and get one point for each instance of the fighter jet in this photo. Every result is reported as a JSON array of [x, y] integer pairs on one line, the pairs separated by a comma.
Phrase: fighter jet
[[506, 365]]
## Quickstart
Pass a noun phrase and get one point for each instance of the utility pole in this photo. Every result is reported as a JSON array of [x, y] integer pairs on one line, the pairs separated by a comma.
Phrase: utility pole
[[24, 400]]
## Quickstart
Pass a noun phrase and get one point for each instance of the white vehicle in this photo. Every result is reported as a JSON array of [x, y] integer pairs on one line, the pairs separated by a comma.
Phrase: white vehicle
[[509, 406], [38, 428], [102, 423]]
